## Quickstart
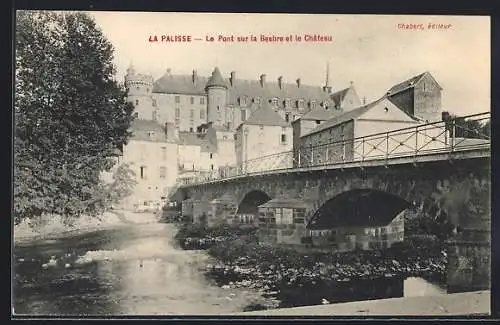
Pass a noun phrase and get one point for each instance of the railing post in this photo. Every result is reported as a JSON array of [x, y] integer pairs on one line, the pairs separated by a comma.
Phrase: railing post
[[416, 140], [343, 150], [387, 146], [363, 149], [453, 130]]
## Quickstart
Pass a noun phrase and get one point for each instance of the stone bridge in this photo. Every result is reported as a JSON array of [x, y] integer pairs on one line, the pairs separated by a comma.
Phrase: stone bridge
[[455, 186]]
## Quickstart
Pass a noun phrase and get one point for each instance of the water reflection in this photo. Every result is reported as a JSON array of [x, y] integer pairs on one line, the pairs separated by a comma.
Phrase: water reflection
[[138, 270]]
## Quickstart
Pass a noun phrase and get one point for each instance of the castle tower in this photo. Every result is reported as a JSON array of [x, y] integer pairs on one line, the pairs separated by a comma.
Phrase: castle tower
[[216, 90], [140, 87]]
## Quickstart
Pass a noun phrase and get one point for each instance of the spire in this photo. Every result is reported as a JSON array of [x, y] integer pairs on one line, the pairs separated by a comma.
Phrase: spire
[[131, 69], [327, 88], [327, 81]]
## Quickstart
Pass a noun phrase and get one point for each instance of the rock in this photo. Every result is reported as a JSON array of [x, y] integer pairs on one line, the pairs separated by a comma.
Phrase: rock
[[67, 265]]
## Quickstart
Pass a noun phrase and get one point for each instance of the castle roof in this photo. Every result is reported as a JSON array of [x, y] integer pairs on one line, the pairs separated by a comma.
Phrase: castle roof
[[216, 79], [265, 116], [410, 83], [239, 88]]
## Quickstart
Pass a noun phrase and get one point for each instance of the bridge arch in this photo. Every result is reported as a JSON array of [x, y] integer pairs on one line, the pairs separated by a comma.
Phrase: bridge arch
[[358, 207], [251, 201]]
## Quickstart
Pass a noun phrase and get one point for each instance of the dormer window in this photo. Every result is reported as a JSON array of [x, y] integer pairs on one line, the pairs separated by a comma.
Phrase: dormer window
[[256, 100], [312, 104], [286, 102], [274, 101], [242, 101]]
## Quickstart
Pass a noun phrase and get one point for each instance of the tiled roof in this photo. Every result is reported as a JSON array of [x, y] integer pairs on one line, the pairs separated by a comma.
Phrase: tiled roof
[[266, 116], [247, 89], [320, 114], [216, 79], [180, 84], [291, 203], [407, 84], [345, 116], [141, 131], [201, 140], [338, 97]]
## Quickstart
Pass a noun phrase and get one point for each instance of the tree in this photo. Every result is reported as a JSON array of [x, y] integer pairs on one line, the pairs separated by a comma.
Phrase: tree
[[71, 115], [123, 183], [467, 128]]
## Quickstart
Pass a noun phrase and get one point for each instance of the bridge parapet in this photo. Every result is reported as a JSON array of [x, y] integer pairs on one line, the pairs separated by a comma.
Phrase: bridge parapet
[[453, 136]]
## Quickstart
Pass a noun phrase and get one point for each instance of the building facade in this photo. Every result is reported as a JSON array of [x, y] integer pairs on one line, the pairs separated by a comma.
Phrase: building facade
[[263, 134], [419, 96]]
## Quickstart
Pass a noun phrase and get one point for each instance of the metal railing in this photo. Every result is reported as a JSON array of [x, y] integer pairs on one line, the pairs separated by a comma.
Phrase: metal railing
[[457, 134]]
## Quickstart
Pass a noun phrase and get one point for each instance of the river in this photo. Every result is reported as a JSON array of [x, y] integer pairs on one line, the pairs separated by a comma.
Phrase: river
[[130, 270]]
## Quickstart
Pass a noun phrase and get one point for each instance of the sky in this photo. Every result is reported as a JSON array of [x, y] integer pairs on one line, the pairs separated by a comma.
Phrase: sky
[[369, 50]]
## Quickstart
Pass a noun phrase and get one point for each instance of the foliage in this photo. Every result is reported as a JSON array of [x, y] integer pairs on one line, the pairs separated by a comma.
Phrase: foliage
[[467, 128], [123, 183], [71, 115]]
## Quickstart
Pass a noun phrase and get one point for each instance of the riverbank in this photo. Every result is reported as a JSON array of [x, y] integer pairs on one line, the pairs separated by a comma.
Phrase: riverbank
[[290, 276], [457, 304], [54, 227]]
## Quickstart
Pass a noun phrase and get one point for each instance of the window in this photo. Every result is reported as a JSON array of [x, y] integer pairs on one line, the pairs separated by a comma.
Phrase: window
[[202, 100], [242, 101], [136, 115], [202, 114], [261, 127], [318, 122], [218, 108], [154, 102], [312, 104], [287, 117], [136, 102], [283, 138], [163, 153], [151, 134], [177, 112], [191, 130], [192, 100], [256, 100], [342, 128], [177, 99], [155, 115], [143, 172], [163, 172], [211, 166], [274, 101], [287, 102], [191, 114], [300, 103], [243, 115], [211, 155]]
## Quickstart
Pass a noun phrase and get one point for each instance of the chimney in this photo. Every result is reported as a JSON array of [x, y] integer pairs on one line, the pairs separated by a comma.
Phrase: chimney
[[298, 83], [232, 79], [195, 76], [262, 80], [364, 100], [169, 71], [327, 89], [280, 82]]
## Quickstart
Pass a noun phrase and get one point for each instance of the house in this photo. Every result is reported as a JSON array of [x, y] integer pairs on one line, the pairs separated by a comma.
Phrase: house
[[263, 134], [345, 99], [369, 132], [419, 96], [152, 155]]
